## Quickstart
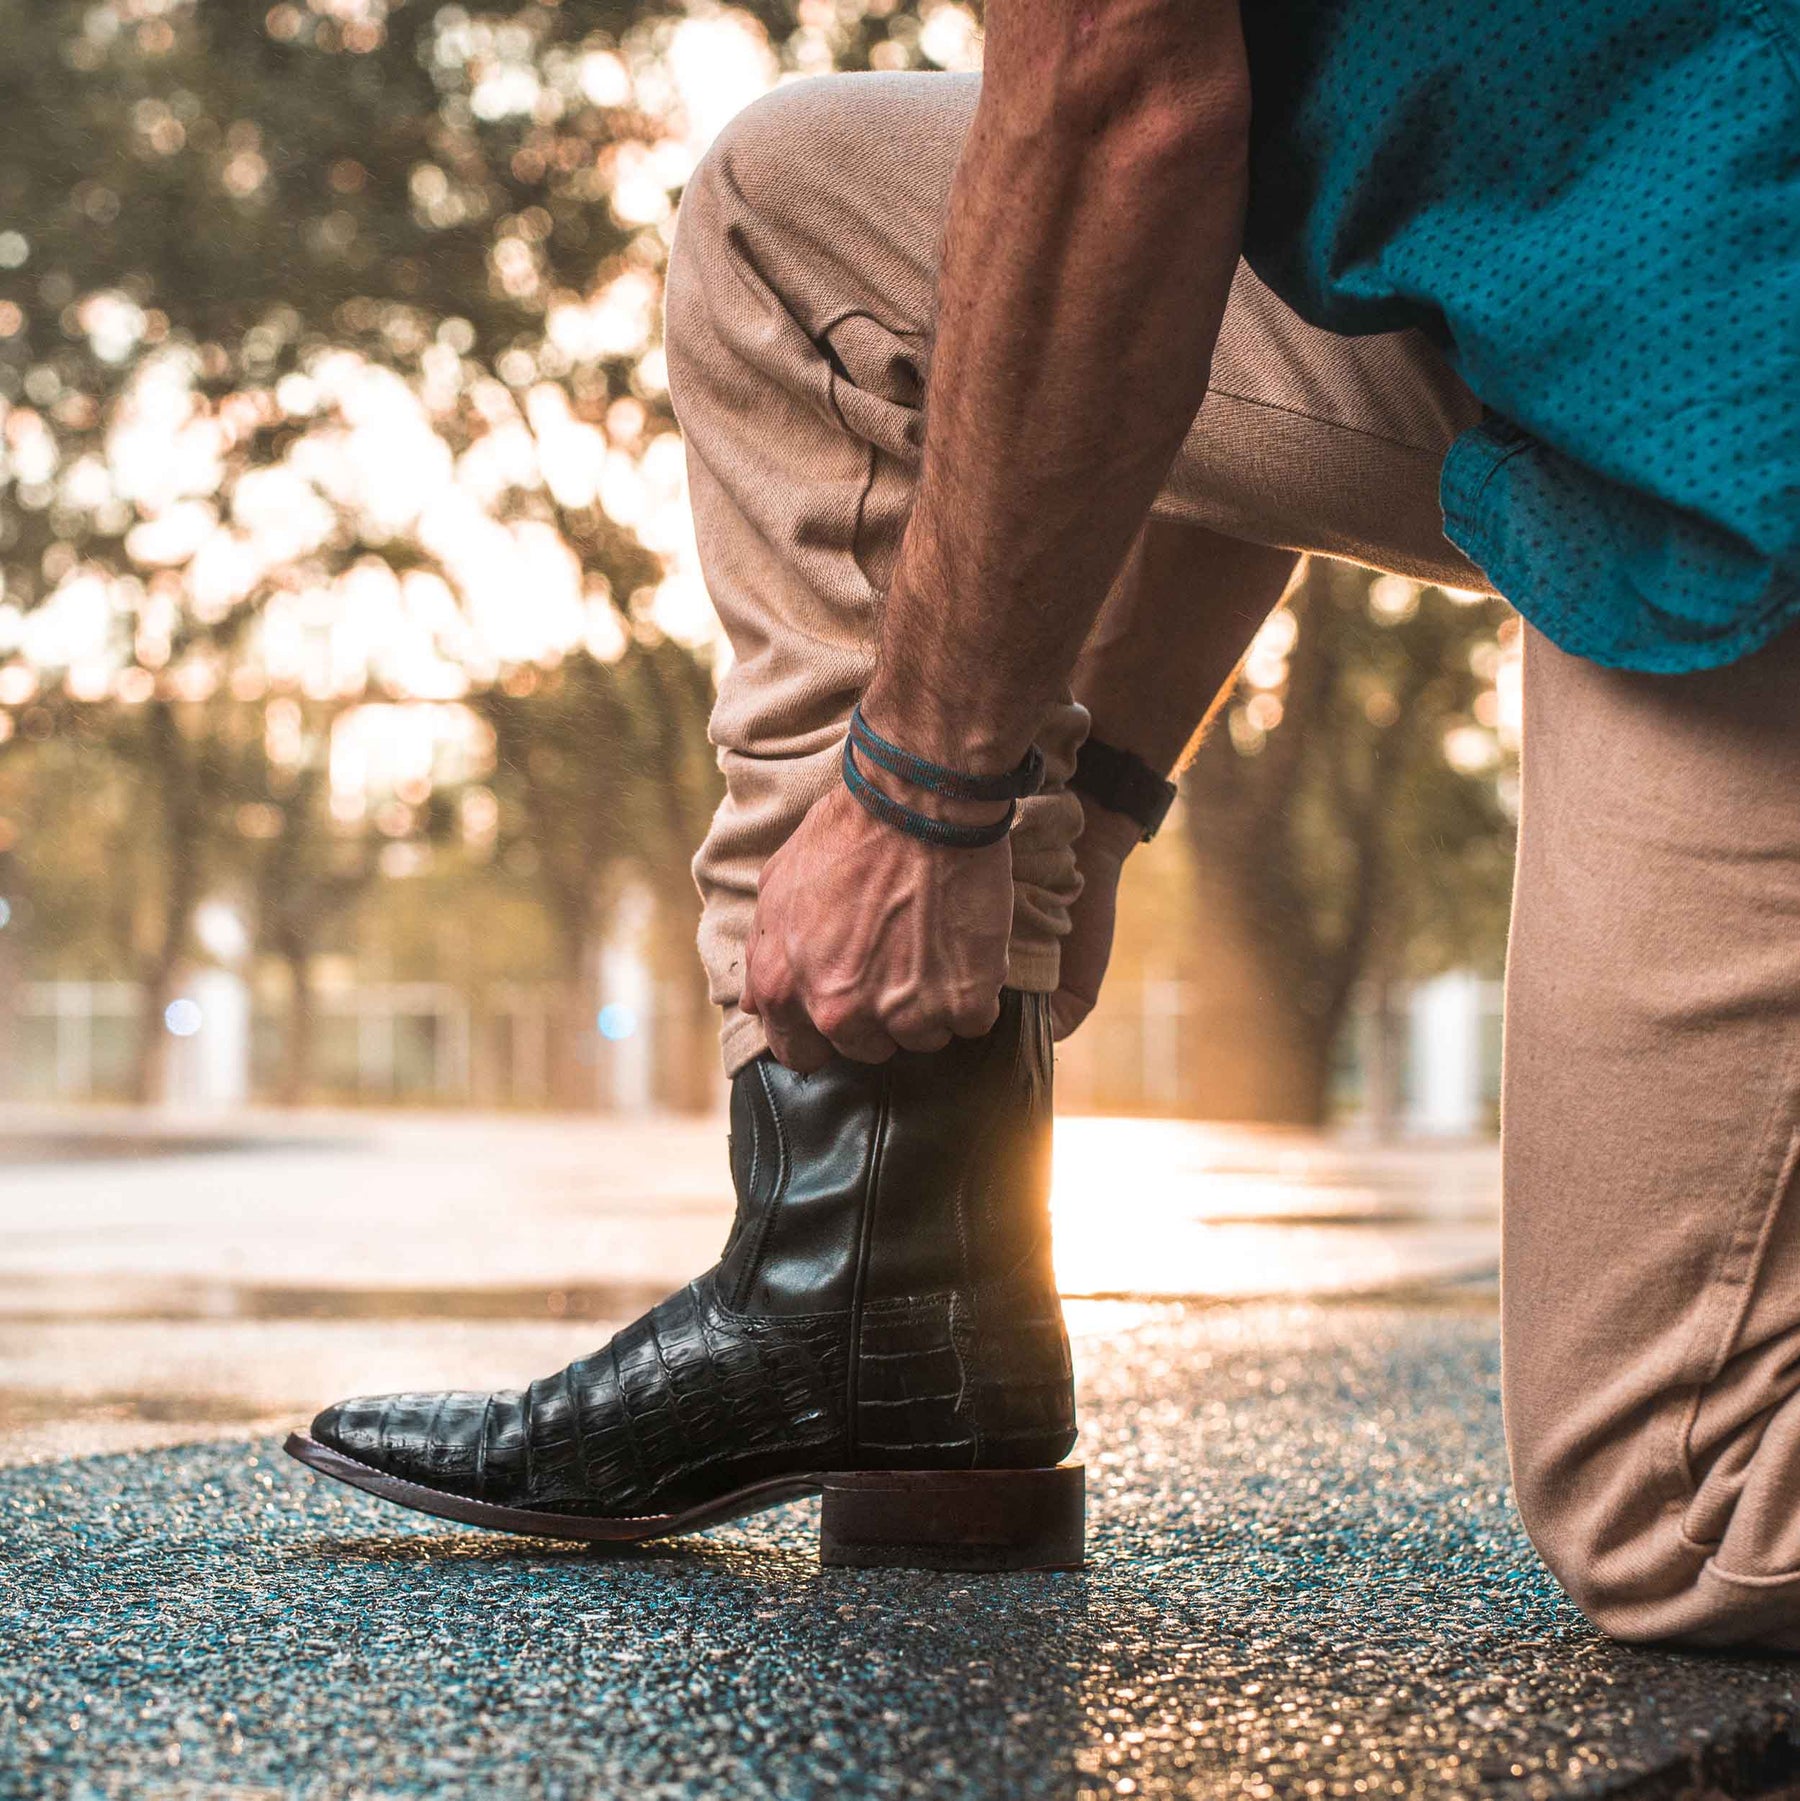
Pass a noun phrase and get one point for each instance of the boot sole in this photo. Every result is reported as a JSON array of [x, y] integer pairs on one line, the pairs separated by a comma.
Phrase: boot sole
[[868, 1519]]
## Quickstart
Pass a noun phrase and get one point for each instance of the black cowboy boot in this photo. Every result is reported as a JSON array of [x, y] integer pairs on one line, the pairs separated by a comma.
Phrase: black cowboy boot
[[882, 1328]]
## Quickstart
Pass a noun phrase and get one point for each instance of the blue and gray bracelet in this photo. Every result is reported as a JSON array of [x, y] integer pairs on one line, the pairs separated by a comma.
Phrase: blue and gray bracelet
[[953, 784]]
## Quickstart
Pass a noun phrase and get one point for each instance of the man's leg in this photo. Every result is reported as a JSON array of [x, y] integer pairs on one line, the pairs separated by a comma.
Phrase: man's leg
[[1652, 1140], [883, 1324], [799, 335]]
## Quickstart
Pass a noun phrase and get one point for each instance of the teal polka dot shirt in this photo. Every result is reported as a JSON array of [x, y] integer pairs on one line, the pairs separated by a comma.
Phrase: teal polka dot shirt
[[1593, 207]]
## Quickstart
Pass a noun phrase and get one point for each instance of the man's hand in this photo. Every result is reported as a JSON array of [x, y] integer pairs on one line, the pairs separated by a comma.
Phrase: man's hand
[[1107, 838], [867, 941]]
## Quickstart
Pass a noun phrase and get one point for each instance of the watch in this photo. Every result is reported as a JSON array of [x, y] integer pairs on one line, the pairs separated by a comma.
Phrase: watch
[[1124, 783]]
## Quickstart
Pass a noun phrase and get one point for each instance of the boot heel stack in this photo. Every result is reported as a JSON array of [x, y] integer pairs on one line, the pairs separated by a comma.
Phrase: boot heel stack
[[955, 1519]]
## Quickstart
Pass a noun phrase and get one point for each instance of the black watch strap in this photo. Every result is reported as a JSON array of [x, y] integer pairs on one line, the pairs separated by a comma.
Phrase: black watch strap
[[1124, 784]]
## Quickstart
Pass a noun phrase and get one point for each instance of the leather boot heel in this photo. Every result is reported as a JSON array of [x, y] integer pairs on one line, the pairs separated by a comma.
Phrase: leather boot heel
[[955, 1519]]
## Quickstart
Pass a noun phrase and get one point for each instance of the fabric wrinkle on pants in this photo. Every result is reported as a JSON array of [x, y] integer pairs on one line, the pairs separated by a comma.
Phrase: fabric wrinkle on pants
[[800, 302], [1651, 1267], [1651, 1283]]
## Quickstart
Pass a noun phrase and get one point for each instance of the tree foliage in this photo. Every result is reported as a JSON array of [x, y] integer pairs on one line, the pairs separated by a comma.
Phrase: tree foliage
[[330, 381], [1352, 819]]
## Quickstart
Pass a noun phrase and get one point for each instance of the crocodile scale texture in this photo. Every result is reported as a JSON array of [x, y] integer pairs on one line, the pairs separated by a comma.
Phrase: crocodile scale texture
[[885, 1300]]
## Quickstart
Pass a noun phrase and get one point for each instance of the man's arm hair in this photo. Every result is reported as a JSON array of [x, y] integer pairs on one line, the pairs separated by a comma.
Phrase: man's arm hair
[[1094, 227]]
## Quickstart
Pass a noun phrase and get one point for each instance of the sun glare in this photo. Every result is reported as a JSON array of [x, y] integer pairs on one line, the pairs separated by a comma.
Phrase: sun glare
[[1147, 1209]]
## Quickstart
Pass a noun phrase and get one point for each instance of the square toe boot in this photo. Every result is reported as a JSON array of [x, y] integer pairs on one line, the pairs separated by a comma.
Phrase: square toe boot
[[882, 1328]]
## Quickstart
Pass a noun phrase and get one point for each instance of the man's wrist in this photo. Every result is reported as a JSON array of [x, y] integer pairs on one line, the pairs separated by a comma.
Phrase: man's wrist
[[1113, 835], [1124, 783], [958, 738], [951, 810]]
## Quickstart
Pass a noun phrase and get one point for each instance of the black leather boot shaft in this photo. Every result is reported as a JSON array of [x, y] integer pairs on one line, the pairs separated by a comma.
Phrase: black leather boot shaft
[[885, 1301], [912, 1198]]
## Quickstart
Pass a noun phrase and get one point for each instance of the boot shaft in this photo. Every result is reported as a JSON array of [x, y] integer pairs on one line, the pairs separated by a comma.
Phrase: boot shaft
[[911, 1200], [876, 1182]]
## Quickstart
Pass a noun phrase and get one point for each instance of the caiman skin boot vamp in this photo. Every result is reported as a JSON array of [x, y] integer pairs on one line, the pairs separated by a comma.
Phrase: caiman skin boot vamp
[[885, 1303]]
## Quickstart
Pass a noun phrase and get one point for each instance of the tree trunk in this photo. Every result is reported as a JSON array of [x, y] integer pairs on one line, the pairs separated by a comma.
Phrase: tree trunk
[[299, 1037], [1384, 1068], [1291, 845], [11, 1002], [573, 1077], [156, 988], [1253, 1051], [687, 1052], [177, 785]]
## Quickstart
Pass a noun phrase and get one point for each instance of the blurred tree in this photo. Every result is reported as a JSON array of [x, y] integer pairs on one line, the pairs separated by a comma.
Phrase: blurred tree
[[184, 780], [306, 875], [129, 815], [219, 203], [12, 923], [687, 787], [68, 825], [590, 822], [330, 380], [1349, 823]]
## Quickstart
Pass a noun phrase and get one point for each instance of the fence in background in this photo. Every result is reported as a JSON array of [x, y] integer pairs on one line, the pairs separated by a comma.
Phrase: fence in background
[[1426, 1062], [1433, 1069], [418, 1043]]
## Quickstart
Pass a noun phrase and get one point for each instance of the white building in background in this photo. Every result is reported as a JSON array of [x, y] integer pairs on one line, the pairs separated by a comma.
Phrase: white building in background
[[209, 1059], [208, 1063], [1429, 1068], [626, 1018], [433, 1044], [1449, 1078]]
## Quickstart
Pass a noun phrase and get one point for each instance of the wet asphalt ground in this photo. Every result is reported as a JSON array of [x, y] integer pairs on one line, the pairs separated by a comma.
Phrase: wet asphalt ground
[[1305, 1579]]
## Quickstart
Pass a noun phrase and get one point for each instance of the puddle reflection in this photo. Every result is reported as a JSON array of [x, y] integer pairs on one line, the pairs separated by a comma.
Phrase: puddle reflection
[[1147, 1208]]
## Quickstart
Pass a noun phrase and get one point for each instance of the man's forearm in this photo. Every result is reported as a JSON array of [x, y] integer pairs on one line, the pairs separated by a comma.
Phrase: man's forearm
[[1093, 231], [1171, 635]]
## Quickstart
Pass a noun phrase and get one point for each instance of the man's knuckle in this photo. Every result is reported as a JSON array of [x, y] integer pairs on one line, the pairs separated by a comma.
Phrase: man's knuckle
[[835, 1017], [772, 978], [923, 1036], [837, 988]]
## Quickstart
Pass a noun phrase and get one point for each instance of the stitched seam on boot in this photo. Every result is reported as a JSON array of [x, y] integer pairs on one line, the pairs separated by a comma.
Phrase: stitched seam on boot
[[755, 1249], [865, 1239], [627, 1430], [966, 1333], [481, 1446]]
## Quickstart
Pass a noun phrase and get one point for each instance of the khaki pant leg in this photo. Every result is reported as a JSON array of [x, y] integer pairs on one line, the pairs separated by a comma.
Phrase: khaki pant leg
[[1651, 1280], [800, 304], [1313, 442], [799, 328]]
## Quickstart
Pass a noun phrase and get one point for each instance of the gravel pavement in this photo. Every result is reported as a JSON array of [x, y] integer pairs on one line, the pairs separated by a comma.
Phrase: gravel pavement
[[1305, 1578]]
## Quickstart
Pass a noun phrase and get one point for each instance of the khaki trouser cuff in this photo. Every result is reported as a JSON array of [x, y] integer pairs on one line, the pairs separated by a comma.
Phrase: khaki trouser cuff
[[741, 1039], [1034, 968]]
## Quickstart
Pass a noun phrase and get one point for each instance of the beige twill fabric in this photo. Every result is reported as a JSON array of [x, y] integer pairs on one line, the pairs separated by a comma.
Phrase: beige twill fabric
[[799, 337], [1651, 1278], [1651, 1303]]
